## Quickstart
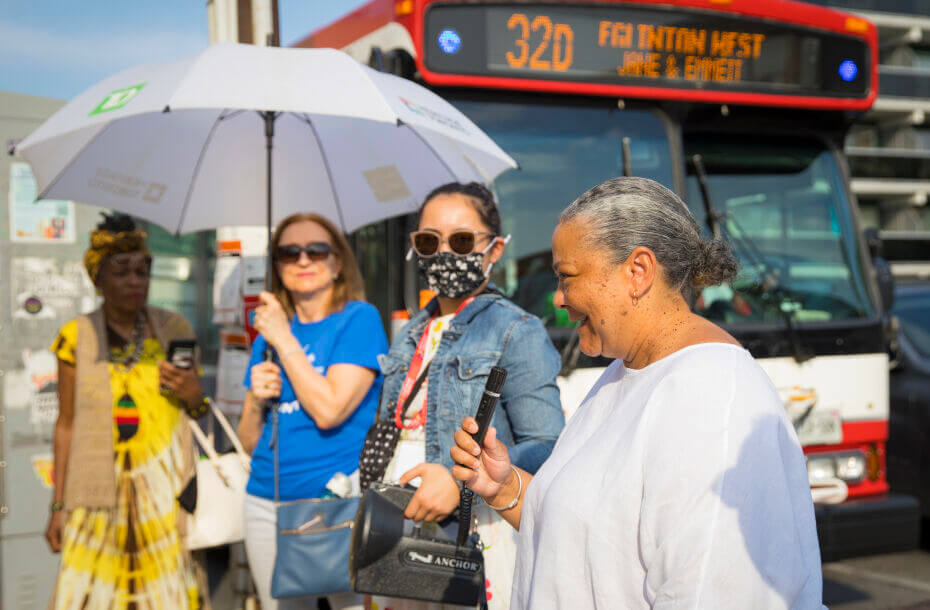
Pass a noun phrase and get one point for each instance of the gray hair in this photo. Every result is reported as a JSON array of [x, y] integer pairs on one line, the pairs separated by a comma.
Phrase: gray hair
[[625, 213]]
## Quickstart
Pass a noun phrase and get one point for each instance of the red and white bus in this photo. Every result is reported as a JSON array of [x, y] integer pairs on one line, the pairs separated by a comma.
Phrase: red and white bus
[[741, 107]]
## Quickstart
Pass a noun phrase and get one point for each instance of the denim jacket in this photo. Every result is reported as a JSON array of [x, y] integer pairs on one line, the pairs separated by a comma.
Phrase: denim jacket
[[489, 331]]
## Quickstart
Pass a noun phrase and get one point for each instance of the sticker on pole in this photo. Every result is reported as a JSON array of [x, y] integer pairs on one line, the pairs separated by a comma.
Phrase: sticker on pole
[[117, 99]]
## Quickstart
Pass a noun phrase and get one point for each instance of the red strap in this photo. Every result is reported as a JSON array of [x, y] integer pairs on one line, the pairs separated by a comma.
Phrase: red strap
[[413, 371]]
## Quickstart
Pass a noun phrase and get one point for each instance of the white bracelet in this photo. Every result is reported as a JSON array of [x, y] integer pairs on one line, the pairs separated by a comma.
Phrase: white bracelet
[[519, 491]]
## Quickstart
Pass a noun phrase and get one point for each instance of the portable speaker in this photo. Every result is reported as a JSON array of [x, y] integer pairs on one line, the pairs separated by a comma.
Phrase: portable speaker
[[437, 562], [392, 556]]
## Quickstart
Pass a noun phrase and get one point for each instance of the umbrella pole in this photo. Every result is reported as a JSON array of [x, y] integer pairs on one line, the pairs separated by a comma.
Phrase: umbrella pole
[[269, 145]]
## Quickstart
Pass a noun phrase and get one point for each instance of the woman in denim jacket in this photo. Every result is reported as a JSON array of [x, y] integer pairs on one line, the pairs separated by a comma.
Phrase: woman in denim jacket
[[456, 339]]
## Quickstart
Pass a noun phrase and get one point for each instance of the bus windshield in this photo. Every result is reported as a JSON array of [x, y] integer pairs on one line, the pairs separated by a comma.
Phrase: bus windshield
[[563, 150], [785, 210]]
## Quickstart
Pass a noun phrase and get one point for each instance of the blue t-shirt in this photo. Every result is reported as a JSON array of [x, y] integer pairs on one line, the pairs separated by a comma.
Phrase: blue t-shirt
[[308, 456]]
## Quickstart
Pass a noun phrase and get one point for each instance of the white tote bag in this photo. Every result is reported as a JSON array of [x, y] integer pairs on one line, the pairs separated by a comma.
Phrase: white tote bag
[[221, 480]]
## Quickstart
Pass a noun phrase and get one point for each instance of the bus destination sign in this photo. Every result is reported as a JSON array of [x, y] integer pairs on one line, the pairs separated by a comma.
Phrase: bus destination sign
[[645, 46]]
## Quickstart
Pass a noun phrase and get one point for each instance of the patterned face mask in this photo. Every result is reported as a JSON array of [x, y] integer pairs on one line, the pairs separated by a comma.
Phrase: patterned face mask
[[452, 276]]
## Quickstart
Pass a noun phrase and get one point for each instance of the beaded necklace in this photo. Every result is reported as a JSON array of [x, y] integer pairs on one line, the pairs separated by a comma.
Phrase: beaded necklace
[[127, 358], [126, 412]]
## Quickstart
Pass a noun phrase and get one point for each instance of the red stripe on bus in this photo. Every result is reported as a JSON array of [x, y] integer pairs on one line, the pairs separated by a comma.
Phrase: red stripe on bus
[[649, 93], [865, 431], [868, 488]]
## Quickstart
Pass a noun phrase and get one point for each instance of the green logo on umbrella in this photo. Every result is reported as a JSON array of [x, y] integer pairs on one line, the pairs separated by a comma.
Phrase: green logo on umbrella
[[117, 99]]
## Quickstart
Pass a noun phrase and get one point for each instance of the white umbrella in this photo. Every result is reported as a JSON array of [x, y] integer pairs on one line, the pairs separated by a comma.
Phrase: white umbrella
[[188, 145]]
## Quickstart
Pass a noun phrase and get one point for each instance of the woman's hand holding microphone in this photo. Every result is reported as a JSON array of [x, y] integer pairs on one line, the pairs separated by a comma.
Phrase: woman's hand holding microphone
[[486, 470]]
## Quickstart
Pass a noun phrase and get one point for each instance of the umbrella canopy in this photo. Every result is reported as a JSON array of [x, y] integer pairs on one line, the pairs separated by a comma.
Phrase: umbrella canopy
[[183, 144]]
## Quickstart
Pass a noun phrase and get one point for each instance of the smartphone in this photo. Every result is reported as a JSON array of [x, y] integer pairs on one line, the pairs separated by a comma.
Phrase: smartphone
[[181, 353]]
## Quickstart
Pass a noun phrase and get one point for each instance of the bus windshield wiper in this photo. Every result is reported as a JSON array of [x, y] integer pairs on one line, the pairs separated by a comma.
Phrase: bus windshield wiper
[[771, 284], [627, 157]]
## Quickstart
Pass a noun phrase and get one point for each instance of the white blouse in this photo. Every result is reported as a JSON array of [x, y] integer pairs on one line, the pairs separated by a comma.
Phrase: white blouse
[[678, 485]]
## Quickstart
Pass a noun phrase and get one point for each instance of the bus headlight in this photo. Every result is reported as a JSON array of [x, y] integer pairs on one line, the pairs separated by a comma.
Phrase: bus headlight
[[821, 468], [849, 466]]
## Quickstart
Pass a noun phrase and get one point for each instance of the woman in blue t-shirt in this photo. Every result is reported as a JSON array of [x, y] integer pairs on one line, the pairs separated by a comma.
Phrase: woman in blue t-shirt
[[325, 378]]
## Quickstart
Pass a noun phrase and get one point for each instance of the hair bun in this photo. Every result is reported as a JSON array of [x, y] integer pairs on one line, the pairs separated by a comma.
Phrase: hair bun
[[717, 264], [116, 223]]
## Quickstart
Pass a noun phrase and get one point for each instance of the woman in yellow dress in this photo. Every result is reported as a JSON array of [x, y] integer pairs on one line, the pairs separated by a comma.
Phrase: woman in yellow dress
[[123, 451]]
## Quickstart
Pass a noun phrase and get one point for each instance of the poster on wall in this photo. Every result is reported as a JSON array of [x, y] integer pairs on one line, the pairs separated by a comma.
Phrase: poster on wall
[[34, 387], [49, 289], [48, 221], [253, 275], [231, 367], [227, 298]]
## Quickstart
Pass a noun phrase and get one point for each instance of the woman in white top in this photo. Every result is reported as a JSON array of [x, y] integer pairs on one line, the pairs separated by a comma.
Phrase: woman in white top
[[679, 483]]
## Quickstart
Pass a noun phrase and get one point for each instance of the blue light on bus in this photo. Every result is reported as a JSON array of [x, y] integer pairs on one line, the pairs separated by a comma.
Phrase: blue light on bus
[[848, 70], [449, 41]]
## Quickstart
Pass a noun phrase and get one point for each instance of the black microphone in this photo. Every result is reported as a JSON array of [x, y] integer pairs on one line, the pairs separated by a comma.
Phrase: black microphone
[[489, 399]]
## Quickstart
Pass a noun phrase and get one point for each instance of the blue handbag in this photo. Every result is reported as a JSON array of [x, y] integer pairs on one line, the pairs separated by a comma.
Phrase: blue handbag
[[313, 538]]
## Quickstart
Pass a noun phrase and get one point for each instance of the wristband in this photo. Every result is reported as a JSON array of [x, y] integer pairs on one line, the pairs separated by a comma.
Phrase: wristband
[[57, 506], [519, 491]]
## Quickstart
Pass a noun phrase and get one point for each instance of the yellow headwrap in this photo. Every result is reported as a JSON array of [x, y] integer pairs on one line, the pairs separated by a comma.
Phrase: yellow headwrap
[[104, 244]]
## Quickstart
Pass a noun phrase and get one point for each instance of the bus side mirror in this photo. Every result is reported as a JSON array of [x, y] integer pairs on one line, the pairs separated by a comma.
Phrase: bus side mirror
[[397, 62], [883, 276]]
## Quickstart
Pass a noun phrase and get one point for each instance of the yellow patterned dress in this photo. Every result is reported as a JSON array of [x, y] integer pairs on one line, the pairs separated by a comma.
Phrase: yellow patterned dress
[[131, 556]]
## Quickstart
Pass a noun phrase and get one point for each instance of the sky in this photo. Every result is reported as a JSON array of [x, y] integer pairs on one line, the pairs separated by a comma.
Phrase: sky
[[58, 48]]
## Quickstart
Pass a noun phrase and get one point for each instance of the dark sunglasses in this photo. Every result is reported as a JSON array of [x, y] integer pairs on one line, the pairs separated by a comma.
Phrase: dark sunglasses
[[316, 251], [427, 243]]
